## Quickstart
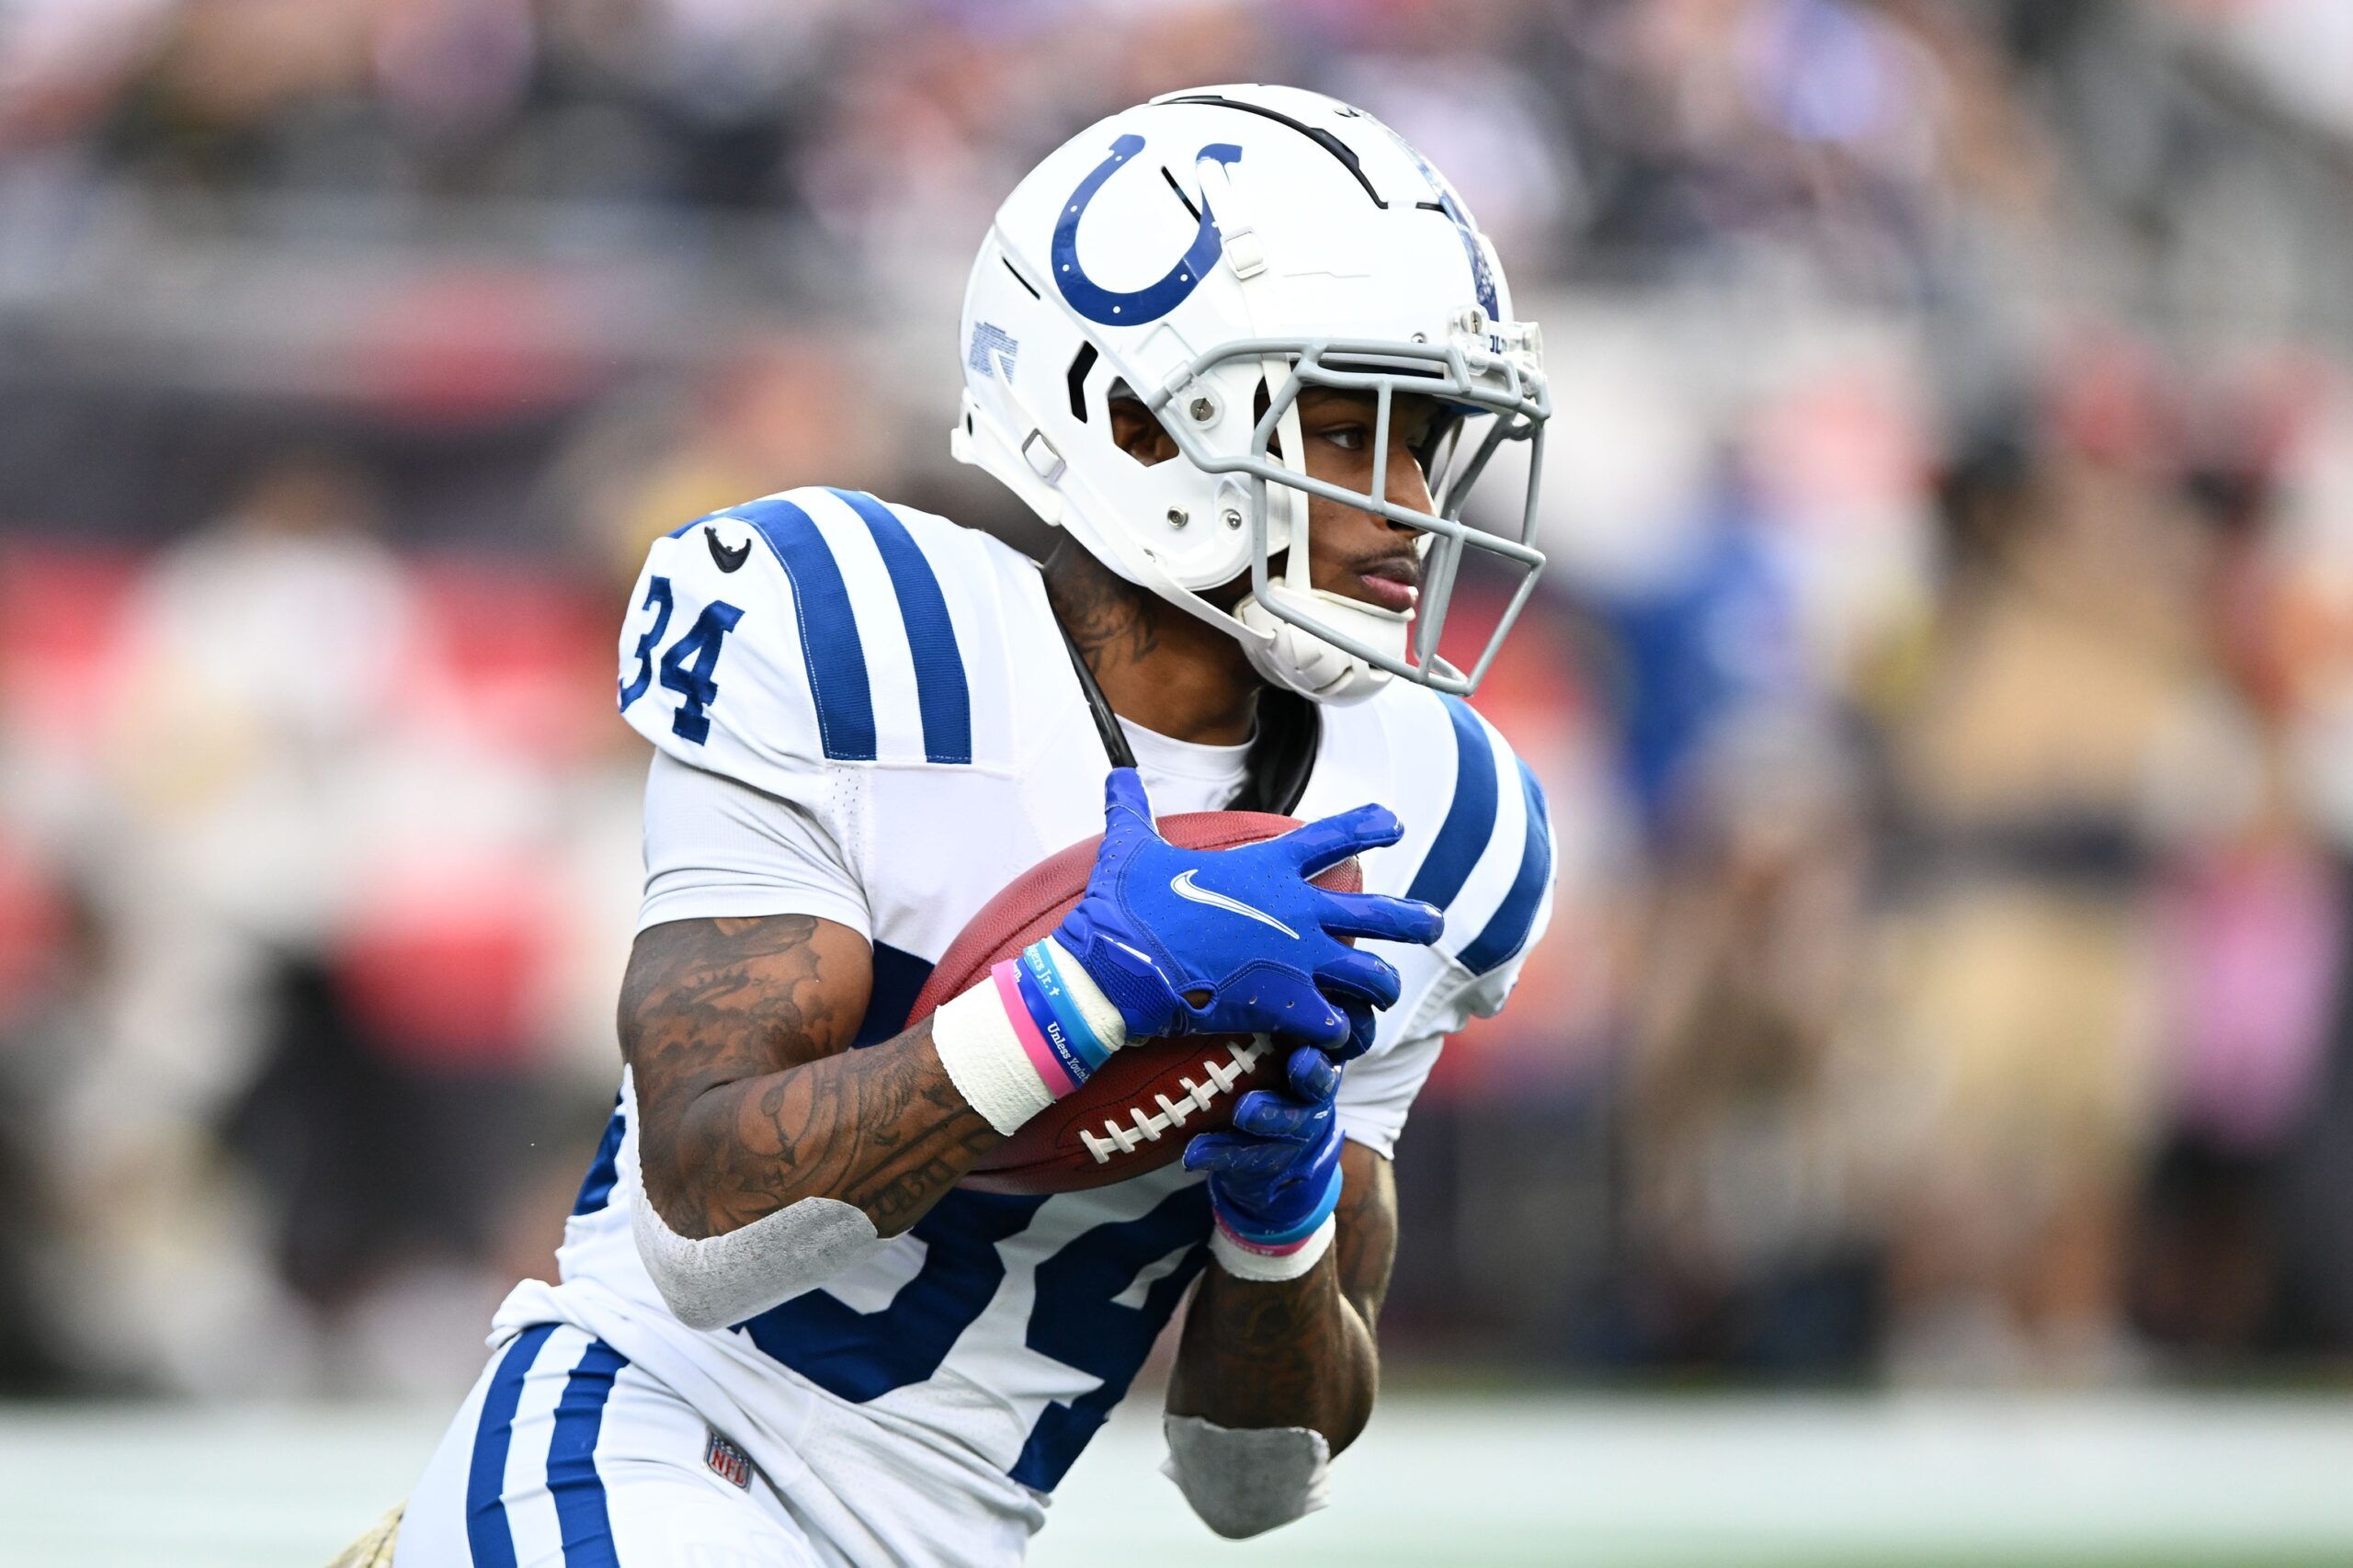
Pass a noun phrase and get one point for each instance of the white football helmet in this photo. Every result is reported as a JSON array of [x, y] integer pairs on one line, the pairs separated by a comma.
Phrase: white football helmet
[[1212, 253]]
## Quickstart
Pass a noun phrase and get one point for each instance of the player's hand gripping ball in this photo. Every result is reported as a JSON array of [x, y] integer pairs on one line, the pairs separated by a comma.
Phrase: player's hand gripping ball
[[1138, 1108], [1276, 1178], [1185, 943]]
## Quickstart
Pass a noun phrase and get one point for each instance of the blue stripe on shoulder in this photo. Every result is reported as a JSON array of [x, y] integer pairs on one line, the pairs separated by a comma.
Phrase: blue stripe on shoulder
[[597, 1186], [940, 689], [1507, 930], [829, 640], [582, 1517], [1469, 820], [489, 1539]]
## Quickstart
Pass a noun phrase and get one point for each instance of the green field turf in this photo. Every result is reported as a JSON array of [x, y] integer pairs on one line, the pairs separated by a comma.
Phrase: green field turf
[[1609, 1482]]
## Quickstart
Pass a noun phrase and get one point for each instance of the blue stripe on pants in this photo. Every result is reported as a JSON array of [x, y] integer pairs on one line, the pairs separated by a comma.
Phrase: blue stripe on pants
[[488, 1538], [573, 1481]]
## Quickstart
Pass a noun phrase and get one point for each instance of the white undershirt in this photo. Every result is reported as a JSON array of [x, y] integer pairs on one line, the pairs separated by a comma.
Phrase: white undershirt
[[1184, 776]]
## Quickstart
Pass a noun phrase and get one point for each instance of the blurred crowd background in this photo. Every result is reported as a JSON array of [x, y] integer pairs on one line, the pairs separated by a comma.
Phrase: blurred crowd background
[[1943, 680]]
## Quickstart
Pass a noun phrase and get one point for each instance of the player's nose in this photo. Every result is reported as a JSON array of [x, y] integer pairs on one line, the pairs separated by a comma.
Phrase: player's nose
[[1404, 484]]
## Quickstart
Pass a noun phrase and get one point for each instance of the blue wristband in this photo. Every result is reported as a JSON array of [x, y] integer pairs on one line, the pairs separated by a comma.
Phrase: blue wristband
[[1073, 1060], [1038, 967]]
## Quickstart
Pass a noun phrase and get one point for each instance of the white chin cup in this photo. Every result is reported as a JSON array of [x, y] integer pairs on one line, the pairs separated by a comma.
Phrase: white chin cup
[[1292, 656]]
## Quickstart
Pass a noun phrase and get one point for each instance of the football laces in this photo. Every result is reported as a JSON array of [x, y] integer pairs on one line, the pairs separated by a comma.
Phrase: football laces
[[1143, 1126]]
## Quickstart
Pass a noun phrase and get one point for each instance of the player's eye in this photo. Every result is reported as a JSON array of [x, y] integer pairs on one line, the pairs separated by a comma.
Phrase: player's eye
[[1348, 437]]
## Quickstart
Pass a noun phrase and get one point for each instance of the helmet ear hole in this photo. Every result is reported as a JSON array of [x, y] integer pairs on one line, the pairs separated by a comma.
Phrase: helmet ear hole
[[1138, 436], [1081, 363]]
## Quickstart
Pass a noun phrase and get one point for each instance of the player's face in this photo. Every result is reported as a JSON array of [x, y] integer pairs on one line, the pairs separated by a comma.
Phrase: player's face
[[1352, 552]]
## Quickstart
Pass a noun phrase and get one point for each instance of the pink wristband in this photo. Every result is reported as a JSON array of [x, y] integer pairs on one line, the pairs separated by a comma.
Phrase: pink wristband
[[1051, 1071]]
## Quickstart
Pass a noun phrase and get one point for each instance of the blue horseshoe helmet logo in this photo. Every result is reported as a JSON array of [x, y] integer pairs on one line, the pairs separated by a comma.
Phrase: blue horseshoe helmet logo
[[1109, 306]]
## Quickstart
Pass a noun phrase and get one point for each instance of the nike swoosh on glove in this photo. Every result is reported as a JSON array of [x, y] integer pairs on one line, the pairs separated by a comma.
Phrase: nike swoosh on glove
[[1238, 941], [1275, 1180]]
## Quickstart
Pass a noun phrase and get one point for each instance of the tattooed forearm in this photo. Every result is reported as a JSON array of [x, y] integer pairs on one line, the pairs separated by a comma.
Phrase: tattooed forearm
[[737, 1033], [883, 1129], [1299, 1352]]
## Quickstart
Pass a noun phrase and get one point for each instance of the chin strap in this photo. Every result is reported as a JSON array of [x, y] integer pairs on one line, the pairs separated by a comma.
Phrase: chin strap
[[1116, 749], [1282, 754]]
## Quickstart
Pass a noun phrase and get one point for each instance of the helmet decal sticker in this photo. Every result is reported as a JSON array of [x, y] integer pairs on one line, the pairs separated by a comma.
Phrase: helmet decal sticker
[[1111, 307], [994, 349]]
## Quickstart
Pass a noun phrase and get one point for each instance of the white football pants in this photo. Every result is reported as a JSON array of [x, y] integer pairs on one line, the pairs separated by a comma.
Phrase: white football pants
[[565, 1456]]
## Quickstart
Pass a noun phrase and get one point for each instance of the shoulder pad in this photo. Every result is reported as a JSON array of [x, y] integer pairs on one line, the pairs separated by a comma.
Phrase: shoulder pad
[[811, 628]]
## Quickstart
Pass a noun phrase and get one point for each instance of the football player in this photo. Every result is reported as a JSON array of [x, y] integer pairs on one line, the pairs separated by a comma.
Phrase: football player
[[1250, 354]]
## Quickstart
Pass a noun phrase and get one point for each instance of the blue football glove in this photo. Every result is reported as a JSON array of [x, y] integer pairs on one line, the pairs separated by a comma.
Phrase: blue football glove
[[1238, 941], [1362, 1025], [1276, 1178]]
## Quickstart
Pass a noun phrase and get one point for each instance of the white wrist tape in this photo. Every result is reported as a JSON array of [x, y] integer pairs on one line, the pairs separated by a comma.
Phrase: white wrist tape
[[1244, 1481], [994, 1054], [984, 1059], [1248, 1263], [720, 1280]]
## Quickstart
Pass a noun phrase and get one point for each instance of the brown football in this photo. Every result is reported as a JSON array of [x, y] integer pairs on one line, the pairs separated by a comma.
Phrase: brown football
[[1137, 1112]]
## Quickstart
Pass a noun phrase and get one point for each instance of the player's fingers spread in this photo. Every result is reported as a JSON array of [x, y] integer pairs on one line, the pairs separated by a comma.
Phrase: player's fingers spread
[[1381, 918], [1366, 977], [1313, 1075], [1322, 844]]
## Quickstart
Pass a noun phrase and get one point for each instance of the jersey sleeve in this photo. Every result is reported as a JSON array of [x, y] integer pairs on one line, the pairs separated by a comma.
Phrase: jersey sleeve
[[793, 648], [1484, 855], [716, 848]]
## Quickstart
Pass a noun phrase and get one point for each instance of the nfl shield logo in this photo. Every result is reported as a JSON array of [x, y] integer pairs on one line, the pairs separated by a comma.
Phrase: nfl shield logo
[[729, 1463]]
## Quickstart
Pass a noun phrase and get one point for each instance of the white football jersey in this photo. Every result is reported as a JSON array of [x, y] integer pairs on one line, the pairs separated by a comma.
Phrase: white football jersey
[[899, 685]]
